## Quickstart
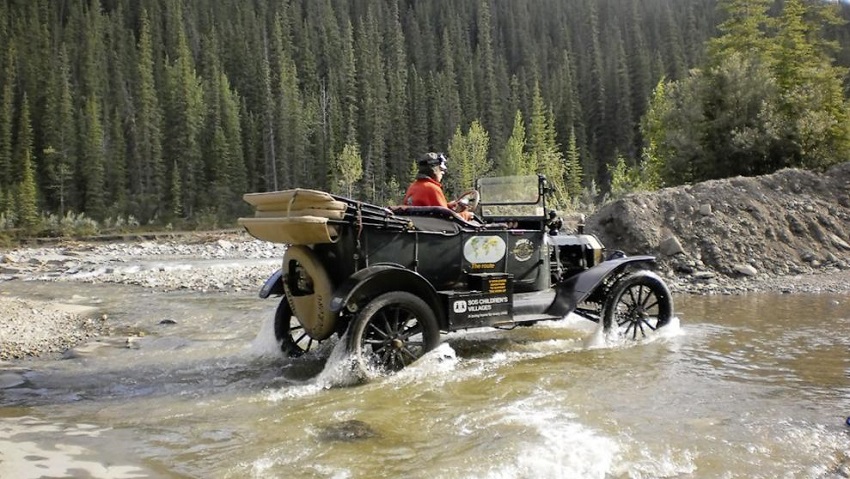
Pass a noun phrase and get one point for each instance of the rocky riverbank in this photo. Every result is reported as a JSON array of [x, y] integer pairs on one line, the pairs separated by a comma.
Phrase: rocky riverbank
[[216, 263]]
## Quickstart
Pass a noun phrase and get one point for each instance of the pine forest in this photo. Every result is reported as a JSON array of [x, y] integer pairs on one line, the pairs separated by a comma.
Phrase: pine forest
[[165, 112]]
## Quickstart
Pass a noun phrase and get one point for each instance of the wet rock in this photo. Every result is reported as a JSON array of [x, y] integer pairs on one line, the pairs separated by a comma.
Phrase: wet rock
[[168, 322], [347, 431], [746, 269]]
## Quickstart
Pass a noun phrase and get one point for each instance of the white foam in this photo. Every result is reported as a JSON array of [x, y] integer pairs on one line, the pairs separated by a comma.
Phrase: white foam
[[553, 443], [265, 343]]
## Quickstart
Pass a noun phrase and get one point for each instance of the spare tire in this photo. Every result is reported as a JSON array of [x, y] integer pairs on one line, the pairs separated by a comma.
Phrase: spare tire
[[309, 291]]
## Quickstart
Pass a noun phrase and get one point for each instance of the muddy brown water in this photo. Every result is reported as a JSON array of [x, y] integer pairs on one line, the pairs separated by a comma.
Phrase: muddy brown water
[[749, 386]]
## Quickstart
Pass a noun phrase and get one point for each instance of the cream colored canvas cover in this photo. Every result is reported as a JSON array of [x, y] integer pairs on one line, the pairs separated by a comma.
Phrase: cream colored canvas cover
[[298, 217], [303, 230], [293, 200]]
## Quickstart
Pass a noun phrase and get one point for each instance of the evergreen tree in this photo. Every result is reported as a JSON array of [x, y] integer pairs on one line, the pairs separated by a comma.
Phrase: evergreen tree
[[744, 31], [115, 167], [572, 168], [147, 169], [27, 201], [514, 159], [184, 121], [372, 86], [60, 138], [349, 168], [469, 156], [812, 108], [7, 100], [92, 159], [489, 91], [398, 146]]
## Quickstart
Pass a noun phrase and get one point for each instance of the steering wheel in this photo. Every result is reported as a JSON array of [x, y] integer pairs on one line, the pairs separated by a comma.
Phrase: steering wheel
[[469, 199]]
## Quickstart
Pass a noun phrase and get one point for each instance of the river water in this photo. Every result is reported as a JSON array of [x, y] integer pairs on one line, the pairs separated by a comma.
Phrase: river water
[[749, 386]]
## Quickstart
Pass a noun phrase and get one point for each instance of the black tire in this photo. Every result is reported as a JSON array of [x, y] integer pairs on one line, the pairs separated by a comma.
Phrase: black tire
[[294, 340], [639, 302], [391, 332]]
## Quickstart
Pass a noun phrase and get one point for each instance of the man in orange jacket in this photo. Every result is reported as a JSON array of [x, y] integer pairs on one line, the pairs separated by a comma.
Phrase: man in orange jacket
[[426, 189]]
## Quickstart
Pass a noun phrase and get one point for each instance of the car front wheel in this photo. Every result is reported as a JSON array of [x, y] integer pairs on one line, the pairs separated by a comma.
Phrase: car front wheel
[[638, 304], [391, 332]]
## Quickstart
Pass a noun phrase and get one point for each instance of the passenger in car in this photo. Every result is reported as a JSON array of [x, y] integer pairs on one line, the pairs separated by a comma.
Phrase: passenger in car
[[426, 189]]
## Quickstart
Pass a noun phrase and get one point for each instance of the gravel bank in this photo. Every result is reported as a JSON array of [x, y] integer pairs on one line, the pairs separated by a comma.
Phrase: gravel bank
[[229, 263]]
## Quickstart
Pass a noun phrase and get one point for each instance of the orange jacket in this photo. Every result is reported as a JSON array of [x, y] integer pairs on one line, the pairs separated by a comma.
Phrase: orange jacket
[[429, 192], [425, 192]]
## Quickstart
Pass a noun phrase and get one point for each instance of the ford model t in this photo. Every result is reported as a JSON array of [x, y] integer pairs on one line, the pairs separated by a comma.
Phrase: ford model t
[[389, 281]]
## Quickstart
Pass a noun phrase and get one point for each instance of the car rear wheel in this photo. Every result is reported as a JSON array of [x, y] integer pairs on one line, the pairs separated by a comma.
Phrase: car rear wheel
[[392, 331], [638, 304], [293, 338]]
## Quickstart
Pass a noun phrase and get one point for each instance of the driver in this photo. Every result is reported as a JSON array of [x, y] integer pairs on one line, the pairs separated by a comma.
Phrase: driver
[[426, 189]]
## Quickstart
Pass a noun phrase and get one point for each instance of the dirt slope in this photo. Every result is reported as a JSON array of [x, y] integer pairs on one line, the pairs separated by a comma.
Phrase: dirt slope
[[789, 222]]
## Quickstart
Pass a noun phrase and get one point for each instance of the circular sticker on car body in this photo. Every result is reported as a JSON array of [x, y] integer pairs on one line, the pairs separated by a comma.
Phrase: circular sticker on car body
[[523, 249], [484, 249]]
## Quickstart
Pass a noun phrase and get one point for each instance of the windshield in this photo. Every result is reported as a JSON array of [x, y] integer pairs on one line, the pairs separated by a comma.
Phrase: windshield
[[503, 196], [509, 189]]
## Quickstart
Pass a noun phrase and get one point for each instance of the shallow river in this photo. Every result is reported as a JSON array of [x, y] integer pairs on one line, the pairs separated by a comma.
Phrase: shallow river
[[740, 387]]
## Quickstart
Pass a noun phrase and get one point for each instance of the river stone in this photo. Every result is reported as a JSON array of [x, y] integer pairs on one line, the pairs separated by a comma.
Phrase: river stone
[[839, 242], [704, 275], [224, 244], [705, 209], [746, 269], [347, 431], [670, 246]]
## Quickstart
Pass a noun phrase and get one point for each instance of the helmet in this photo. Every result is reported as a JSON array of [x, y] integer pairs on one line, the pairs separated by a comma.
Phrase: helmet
[[432, 159]]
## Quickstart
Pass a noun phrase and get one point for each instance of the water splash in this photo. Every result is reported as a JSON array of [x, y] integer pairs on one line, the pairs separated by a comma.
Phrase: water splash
[[552, 443], [265, 343], [598, 339]]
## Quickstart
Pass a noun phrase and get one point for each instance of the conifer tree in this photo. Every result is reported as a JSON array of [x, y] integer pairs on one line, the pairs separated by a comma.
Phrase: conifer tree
[[744, 30], [489, 91], [92, 158], [7, 99], [572, 168], [349, 168], [514, 158], [60, 137], [184, 121], [469, 156], [372, 87], [26, 198], [147, 169], [398, 147]]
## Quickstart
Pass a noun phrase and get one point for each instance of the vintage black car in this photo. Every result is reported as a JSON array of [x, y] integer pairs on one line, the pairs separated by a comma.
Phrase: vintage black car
[[389, 281]]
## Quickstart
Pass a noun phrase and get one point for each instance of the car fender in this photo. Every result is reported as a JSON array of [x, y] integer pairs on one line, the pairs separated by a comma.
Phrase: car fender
[[381, 278], [273, 285], [578, 287]]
